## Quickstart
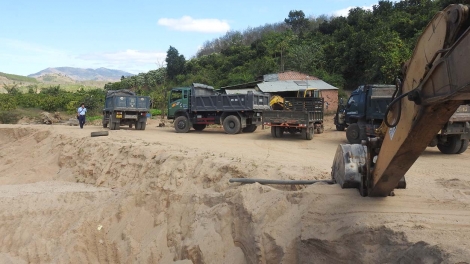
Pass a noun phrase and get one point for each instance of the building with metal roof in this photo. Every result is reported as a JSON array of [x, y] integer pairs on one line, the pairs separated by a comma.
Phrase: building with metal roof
[[288, 84]]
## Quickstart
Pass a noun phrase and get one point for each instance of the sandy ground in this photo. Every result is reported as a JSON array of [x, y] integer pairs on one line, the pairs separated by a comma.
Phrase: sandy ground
[[156, 196]]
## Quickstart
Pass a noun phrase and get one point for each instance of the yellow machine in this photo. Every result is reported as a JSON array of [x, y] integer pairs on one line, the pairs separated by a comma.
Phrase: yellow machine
[[277, 101], [435, 83]]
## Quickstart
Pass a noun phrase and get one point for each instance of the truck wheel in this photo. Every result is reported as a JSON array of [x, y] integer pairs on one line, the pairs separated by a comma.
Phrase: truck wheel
[[182, 124], [138, 126], [273, 132], [463, 147], [353, 134], [279, 131], [130, 125], [340, 127], [249, 129], [199, 127], [232, 125], [309, 133], [451, 146], [143, 125], [105, 124]]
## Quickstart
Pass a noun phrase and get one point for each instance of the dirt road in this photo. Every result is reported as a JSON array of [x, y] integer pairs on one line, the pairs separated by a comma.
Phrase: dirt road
[[156, 196]]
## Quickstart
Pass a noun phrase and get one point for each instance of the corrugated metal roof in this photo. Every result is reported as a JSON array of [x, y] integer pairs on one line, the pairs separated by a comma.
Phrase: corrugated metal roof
[[290, 86]]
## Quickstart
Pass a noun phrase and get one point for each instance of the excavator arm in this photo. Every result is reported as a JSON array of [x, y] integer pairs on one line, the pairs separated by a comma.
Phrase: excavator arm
[[436, 82]]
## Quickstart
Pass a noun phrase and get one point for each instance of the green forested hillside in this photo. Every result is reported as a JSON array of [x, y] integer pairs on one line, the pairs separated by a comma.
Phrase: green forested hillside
[[367, 46]]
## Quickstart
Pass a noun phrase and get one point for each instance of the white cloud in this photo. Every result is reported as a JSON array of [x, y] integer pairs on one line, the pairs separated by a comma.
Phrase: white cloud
[[187, 23], [345, 11]]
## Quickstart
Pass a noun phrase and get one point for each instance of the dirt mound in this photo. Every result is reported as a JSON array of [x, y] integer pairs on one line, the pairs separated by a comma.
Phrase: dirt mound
[[70, 198]]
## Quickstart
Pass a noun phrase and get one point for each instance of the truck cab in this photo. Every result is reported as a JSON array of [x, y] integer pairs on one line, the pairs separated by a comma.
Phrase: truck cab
[[178, 101], [364, 111]]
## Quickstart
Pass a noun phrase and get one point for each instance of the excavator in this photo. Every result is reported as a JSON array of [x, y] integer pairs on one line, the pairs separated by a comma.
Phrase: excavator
[[434, 84]]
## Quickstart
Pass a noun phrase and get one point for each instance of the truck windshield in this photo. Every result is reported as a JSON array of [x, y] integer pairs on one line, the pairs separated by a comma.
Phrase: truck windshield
[[175, 95]]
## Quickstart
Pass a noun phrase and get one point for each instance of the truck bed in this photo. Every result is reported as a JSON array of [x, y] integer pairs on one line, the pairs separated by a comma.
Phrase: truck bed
[[229, 102], [299, 111]]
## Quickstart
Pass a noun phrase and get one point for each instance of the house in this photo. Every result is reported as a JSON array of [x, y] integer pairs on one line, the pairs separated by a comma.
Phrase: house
[[287, 84]]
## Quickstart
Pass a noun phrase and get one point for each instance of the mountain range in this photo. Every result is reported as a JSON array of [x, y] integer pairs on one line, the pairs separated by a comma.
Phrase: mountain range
[[80, 74]]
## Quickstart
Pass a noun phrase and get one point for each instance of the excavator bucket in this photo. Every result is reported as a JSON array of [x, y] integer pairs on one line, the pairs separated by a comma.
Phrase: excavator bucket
[[350, 168], [348, 165]]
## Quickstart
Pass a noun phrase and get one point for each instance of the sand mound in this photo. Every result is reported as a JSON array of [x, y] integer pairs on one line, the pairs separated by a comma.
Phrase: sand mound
[[70, 199]]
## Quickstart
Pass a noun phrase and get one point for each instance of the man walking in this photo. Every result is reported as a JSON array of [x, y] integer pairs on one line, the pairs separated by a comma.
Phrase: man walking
[[81, 111]]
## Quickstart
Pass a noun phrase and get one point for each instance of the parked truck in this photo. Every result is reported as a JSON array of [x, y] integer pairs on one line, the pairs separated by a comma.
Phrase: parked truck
[[302, 115], [200, 105], [365, 110], [124, 107]]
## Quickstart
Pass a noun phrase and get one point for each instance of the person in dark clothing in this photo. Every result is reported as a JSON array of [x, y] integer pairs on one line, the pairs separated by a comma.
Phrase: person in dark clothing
[[81, 112]]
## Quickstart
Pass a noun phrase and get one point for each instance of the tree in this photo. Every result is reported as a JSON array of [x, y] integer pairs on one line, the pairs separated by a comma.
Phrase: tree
[[297, 21], [174, 63]]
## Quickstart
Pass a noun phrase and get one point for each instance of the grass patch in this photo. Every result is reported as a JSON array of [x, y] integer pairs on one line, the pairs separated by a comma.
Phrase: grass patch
[[19, 78], [93, 118]]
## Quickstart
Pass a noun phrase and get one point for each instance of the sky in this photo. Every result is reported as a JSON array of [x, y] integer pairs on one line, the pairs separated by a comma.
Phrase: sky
[[132, 36]]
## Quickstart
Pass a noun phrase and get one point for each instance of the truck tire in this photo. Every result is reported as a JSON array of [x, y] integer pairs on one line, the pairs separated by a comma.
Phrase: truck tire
[[105, 124], [463, 147], [232, 125], [353, 134], [309, 133], [199, 127], [182, 124], [143, 125], [130, 125], [340, 127], [451, 146], [249, 129], [138, 126], [273, 132], [279, 131], [99, 133]]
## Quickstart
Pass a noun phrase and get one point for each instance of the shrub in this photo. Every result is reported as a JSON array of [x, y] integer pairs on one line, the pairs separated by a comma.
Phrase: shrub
[[7, 102], [155, 112], [9, 117]]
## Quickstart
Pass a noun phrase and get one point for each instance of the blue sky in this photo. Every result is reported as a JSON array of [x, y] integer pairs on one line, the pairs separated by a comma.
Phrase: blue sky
[[133, 36]]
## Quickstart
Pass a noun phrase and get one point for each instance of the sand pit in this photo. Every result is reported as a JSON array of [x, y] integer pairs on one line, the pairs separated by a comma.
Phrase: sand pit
[[155, 196]]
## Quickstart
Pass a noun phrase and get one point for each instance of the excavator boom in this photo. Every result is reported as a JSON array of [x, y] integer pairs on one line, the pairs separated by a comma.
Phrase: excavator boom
[[436, 82]]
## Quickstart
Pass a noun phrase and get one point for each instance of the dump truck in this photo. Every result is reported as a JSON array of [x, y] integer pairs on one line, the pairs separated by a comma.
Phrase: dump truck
[[302, 115], [200, 105], [365, 111], [125, 107]]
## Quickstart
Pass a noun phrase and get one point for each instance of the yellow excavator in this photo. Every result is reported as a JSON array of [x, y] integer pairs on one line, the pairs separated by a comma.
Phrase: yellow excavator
[[435, 83], [277, 101]]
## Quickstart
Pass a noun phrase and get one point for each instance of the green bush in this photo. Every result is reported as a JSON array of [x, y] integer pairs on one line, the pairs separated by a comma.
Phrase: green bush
[[155, 112], [9, 117], [7, 102]]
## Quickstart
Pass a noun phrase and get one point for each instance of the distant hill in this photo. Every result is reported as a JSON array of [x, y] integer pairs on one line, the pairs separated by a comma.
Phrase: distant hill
[[79, 74]]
